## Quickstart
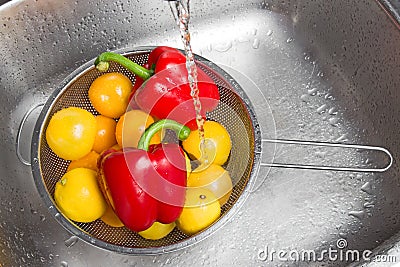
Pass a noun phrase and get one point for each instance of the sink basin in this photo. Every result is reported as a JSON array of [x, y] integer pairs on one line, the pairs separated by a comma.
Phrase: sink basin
[[327, 70]]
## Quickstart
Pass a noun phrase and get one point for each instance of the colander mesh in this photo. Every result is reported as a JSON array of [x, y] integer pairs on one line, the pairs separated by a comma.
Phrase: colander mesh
[[231, 112]]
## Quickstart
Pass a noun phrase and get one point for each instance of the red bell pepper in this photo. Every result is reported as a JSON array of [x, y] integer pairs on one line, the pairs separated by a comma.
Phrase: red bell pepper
[[146, 184], [151, 63], [162, 87]]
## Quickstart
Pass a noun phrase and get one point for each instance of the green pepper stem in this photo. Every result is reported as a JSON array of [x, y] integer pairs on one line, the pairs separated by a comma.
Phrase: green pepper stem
[[102, 64], [181, 130]]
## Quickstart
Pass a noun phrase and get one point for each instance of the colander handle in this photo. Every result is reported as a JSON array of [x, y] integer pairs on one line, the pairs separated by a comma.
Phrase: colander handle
[[19, 133], [375, 149]]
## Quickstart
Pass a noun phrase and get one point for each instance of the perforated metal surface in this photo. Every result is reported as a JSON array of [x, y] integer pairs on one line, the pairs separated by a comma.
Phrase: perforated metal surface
[[231, 112]]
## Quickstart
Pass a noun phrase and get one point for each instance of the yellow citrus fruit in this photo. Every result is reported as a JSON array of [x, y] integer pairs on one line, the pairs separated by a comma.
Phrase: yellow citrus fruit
[[71, 133], [105, 137], [131, 126], [214, 178], [88, 161], [78, 196], [200, 210], [110, 218], [215, 132], [157, 230], [109, 94]]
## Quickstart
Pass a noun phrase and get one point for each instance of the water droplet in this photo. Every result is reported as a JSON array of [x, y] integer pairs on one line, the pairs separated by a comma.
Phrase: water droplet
[[42, 218], [243, 39], [332, 111], [254, 31], [329, 97], [333, 121], [343, 235], [71, 241], [256, 43], [223, 47], [270, 32], [357, 214], [305, 97], [322, 109], [307, 57], [367, 188], [342, 138], [64, 264], [289, 40], [312, 91], [368, 161], [369, 205]]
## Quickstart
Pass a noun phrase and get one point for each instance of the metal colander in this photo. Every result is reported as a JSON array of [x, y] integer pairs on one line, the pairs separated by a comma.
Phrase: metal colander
[[234, 112]]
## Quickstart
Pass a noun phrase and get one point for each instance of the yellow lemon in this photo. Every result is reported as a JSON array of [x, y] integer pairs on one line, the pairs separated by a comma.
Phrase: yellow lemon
[[200, 210], [71, 133], [109, 94], [214, 178], [110, 218], [215, 132], [88, 161], [105, 136], [78, 196], [131, 126], [157, 230]]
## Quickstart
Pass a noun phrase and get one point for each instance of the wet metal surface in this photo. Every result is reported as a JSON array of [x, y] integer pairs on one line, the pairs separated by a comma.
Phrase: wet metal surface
[[328, 71]]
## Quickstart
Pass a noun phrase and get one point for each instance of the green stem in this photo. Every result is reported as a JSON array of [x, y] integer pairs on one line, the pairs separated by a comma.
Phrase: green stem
[[102, 64], [182, 131]]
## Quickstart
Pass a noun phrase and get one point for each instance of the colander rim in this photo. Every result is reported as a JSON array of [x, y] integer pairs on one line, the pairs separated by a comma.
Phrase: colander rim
[[71, 227]]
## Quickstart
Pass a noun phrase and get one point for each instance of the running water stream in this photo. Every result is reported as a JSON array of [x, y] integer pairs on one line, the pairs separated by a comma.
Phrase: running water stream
[[180, 10]]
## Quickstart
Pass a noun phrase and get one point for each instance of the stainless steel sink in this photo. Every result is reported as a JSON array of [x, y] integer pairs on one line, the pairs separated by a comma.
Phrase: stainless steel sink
[[329, 71]]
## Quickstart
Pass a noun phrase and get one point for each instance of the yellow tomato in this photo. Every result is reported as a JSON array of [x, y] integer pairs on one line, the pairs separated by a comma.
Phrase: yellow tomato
[[109, 94], [131, 126], [214, 178], [200, 210], [188, 165], [105, 137], [116, 147], [157, 230], [78, 196], [71, 133], [110, 218], [88, 161], [219, 137]]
